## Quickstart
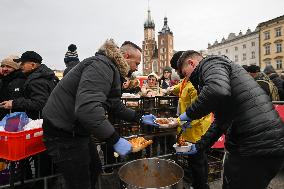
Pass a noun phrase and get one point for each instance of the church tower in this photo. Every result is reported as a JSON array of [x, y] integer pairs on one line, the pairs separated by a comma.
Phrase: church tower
[[165, 46], [149, 46]]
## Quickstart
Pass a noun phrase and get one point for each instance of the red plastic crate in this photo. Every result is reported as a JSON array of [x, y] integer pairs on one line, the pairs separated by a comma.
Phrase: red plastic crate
[[19, 145]]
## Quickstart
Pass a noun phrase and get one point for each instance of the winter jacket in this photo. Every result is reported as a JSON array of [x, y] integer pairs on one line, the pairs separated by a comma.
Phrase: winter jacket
[[36, 91], [279, 84], [242, 110], [186, 97], [165, 83], [12, 88], [80, 101], [69, 66]]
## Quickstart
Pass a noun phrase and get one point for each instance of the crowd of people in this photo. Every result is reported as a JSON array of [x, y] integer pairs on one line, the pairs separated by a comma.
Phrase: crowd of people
[[74, 110]]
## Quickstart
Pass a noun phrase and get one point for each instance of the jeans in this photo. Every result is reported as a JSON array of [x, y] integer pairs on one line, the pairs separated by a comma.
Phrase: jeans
[[250, 172]]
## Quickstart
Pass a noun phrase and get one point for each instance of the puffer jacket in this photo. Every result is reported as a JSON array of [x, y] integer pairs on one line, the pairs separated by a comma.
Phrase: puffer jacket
[[11, 89], [243, 111], [186, 97], [279, 83], [36, 91], [79, 103]]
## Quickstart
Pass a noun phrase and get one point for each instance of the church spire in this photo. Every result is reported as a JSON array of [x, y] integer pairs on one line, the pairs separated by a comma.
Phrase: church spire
[[166, 28], [149, 23]]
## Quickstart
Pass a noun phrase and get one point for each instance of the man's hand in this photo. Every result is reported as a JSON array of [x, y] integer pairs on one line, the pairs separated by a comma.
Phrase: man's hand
[[149, 120], [184, 117], [122, 147], [184, 121], [192, 151], [186, 125], [7, 104]]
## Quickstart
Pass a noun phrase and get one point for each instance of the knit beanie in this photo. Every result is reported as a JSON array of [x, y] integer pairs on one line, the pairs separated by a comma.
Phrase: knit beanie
[[153, 74], [71, 54], [9, 61], [269, 69], [253, 69], [167, 69]]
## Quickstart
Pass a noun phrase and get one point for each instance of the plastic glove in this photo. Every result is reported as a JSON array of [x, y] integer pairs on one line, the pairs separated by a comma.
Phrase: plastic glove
[[191, 152], [186, 125], [122, 147], [184, 117], [149, 120]]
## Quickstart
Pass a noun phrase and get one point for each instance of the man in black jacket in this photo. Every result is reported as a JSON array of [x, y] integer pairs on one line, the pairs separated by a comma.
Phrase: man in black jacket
[[12, 82], [37, 87], [243, 112], [77, 109]]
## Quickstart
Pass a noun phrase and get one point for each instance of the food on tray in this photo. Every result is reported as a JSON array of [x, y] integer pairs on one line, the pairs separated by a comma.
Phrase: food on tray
[[181, 141], [129, 95], [131, 103], [166, 122], [162, 121], [139, 143]]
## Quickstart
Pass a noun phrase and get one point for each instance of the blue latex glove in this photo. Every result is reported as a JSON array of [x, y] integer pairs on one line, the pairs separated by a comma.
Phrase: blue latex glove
[[186, 125], [191, 152], [149, 120], [122, 147], [184, 117]]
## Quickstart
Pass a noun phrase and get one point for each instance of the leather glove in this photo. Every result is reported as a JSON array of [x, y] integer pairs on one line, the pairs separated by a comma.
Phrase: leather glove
[[122, 147], [192, 151], [149, 120]]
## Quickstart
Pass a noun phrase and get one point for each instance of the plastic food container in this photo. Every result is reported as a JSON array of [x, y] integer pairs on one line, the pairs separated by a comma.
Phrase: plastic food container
[[171, 123], [19, 145], [182, 148]]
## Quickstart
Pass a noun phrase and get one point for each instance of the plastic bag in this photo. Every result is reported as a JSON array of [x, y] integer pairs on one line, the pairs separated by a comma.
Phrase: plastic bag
[[15, 122]]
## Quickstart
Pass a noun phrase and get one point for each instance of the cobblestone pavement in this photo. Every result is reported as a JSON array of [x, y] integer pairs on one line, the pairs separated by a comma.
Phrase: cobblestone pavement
[[276, 183]]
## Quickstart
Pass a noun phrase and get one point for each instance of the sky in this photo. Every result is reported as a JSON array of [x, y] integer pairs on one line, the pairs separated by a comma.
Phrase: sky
[[49, 26]]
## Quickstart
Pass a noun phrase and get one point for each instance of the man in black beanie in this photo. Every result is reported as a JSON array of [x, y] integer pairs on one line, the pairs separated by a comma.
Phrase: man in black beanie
[[71, 58]]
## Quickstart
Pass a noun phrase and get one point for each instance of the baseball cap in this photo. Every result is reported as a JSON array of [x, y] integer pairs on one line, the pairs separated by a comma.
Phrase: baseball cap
[[29, 56]]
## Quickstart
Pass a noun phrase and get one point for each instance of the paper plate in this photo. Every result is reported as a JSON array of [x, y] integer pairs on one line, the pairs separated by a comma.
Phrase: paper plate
[[171, 123]]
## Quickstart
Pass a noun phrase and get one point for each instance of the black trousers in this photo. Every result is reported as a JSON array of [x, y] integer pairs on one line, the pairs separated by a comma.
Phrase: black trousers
[[77, 160], [198, 163], [250, 172]]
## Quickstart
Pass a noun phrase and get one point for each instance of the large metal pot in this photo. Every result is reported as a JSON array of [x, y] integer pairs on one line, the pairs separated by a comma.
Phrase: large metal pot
[[151, 173]]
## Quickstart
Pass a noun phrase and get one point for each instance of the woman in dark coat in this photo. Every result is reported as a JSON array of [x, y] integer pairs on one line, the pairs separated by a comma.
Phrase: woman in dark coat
[[12, 82]]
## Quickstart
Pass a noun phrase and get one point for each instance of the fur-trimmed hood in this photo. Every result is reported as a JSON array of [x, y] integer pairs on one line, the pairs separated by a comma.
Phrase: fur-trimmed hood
[[112, 51]]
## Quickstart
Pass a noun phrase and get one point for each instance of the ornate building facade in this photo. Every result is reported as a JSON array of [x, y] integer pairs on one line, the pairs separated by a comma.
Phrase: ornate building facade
[[243, 49], [271, 43], [156, 55]]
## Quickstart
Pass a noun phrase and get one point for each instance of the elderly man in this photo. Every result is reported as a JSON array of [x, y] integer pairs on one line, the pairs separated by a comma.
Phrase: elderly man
[[77, 109], [243, 112]]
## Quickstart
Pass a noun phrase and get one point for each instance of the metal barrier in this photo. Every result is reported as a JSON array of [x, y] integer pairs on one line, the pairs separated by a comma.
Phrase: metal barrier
[[163, 138]]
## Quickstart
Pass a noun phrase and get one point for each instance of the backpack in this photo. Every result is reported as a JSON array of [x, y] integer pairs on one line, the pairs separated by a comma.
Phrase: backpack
[[269, 88]]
